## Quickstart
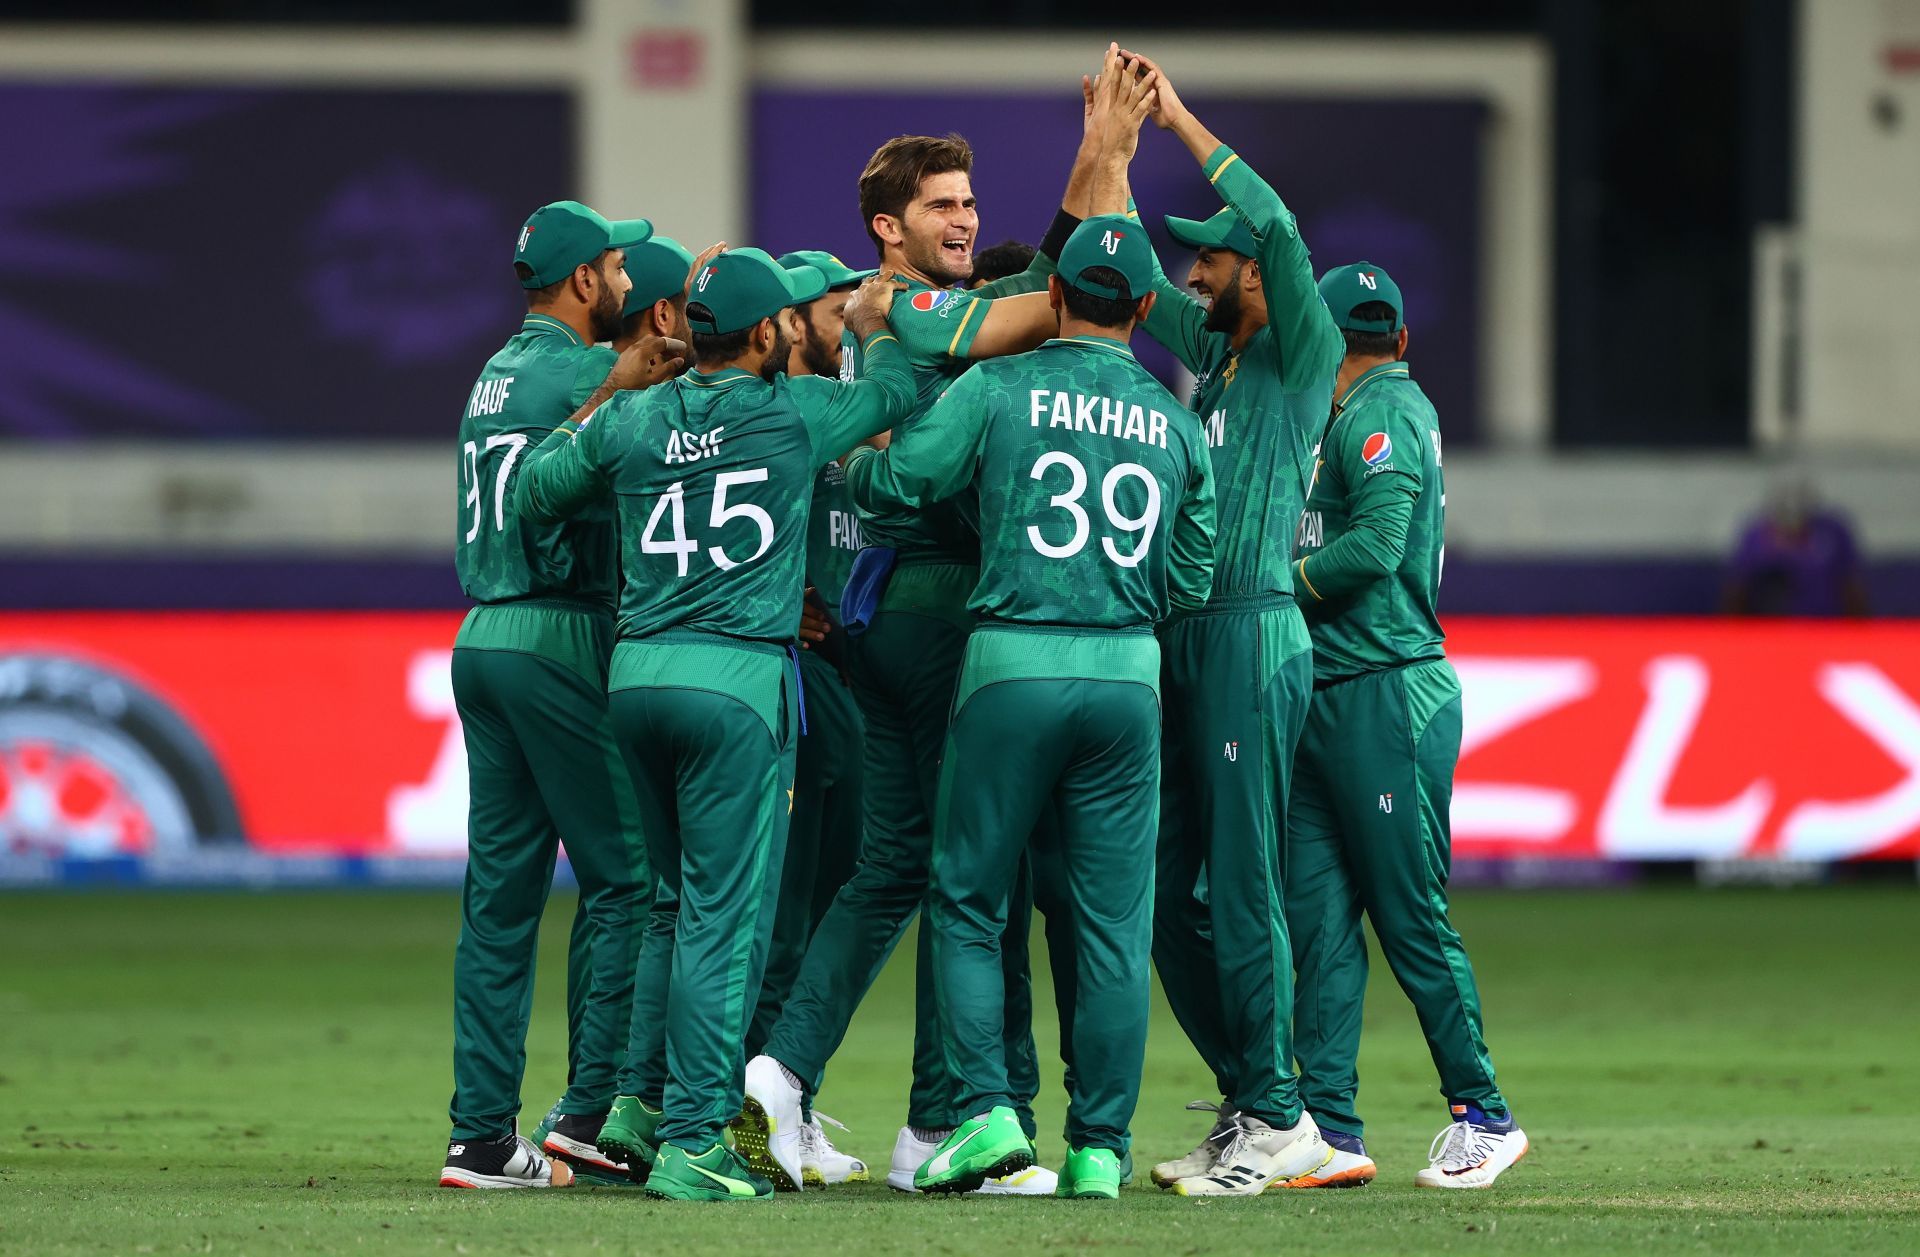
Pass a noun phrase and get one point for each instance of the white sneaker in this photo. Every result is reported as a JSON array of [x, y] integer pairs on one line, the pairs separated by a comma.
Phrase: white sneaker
[[1258, 1156], [1346, 1169], [1472, 1151], [768, 1131], [511, 1162], [909, 1154], [1035, 1180], [820, 1162], [1201, 1159]]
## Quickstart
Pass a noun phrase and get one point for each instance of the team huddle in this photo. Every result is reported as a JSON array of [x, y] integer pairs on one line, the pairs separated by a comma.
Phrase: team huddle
[[809, 598]]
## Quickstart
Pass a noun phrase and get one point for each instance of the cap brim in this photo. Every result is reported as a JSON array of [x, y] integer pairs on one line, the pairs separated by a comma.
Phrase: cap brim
[[851, 278], [1194, 233], [806, 283], [624, 233]]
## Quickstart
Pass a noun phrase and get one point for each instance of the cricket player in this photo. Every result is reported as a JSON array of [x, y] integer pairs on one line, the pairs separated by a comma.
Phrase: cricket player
[[1238, 673], [1096, 517], [1374, 775], [916, 197], [1003, 260], [529, 680], [823, 838], [656, 305], [711, 476]]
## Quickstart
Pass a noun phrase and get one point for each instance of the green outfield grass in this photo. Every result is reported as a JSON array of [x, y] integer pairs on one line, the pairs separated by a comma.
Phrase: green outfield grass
[[1732, 1071]]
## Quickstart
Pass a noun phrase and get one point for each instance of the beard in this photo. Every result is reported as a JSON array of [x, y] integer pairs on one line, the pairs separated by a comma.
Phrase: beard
[[1224, 314], [606, 315], [931, 260], [776, 362], [821, 357]]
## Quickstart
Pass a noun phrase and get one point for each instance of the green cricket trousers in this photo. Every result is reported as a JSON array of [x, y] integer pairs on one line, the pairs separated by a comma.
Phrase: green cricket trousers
[[904, 669], [823, 838], [529, 682], [1067, 720], [707, 724], [1368, 833], [1236, 679]]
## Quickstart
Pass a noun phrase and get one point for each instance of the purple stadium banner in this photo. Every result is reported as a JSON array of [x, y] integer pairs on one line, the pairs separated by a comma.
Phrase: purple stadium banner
[[260, 262], [1392, 181]]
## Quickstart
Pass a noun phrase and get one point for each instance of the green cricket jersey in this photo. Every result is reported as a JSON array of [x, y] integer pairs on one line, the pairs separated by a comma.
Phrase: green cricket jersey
[[936, 327], [833, 535], [1094, 487], [526, 391], [713, 473], [1372, 539], [1260, 407]]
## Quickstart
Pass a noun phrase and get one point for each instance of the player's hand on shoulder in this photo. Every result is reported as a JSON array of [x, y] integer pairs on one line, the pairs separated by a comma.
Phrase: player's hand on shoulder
[[866, 312], [648, 361]]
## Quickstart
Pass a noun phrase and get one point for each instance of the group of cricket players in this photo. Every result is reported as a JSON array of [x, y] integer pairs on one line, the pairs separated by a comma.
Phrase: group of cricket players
[[807, 599]]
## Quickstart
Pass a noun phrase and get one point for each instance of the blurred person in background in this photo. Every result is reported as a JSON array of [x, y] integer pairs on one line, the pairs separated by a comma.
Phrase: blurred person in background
[[529, 681], [1373, 776], [1238, 674], [1796, 557], [1009, 257]]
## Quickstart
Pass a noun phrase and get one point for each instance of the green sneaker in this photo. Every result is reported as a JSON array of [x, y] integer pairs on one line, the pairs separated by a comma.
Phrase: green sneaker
[[716, 1174], [627, 1134], [980, 1148], [1090, 1174], [1126, 1168], [541, 1131]]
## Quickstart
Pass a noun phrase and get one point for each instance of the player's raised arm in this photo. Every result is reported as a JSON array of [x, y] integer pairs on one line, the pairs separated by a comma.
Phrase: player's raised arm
[[563, 475], [1309, 344], [842, 412], [1190, 545], [934, 460]]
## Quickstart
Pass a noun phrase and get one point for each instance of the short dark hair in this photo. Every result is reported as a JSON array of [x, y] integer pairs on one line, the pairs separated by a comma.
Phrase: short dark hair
[[717, 346], [537, 297], [1100, 311], [1009, 257], [893, 174], [1372, 344]]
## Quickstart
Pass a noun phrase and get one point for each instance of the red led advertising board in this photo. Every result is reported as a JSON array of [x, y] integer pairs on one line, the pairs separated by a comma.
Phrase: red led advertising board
[[323, 733]]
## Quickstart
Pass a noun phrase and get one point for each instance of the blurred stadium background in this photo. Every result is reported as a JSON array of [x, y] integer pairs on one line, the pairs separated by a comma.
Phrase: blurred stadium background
[[1659, 260]]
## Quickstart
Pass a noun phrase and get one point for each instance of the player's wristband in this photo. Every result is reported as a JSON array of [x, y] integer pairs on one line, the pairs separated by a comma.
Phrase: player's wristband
[[1056, 237]]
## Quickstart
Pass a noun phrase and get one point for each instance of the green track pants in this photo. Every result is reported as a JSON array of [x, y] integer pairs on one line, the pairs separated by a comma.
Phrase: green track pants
[[1088, 750], [712, 763], [904, 669], [542, 770], [1372, 786], [823, 838], [1235, 687]]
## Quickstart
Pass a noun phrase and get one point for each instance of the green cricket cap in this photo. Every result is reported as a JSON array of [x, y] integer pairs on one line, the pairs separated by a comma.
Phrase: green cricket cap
[[566, 234], [658, 267], [742, 286], [1115, 242], [1225, 230], [1346, 287], [838, 274]]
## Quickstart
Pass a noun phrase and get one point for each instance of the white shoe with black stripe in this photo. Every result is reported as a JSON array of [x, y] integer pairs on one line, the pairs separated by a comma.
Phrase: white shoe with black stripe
[[1259, 1155], [512, 1161]]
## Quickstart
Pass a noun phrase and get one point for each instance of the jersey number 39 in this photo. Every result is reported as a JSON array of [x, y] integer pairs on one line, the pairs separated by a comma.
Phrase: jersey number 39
[[1144, 523]]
